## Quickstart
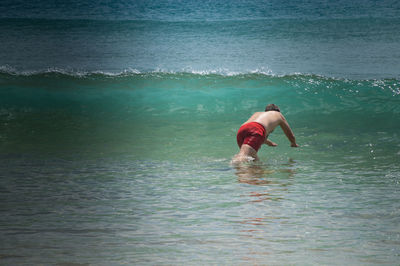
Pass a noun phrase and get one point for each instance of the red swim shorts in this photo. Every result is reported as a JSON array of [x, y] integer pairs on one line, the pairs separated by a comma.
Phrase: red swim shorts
[[252, 134]]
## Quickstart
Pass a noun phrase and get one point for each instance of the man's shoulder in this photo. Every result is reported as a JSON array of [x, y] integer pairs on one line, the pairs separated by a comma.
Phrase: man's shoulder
[[270, 113], [256, 114], [273, 116]]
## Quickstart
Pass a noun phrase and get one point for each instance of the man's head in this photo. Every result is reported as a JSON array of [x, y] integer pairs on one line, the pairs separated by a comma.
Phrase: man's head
[[272, 107]]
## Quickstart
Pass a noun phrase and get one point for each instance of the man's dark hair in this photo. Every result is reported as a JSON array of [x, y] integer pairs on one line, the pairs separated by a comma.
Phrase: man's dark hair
[[272, 107]]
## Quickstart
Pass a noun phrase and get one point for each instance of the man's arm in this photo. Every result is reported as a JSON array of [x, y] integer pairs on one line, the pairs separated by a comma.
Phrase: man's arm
[[288, 132]]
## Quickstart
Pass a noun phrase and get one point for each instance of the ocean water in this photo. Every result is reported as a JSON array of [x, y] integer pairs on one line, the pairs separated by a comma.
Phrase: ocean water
[[118, 122]]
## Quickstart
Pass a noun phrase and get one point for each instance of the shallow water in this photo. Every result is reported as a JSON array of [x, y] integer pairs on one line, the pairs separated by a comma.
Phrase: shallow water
[[281, 211]]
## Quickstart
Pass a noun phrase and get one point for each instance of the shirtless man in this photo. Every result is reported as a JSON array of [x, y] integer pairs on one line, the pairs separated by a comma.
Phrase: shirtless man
[[254, 132]]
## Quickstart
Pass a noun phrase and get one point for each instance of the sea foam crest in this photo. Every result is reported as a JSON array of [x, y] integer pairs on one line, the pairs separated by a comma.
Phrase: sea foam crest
[[6, 69], [161, 72], [225, 72]]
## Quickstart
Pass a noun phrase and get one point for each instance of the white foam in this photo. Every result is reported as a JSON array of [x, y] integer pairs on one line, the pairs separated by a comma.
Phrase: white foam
[[184, 71]]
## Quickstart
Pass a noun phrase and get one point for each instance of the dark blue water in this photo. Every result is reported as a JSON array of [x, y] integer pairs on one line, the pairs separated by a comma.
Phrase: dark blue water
[[357, 39]]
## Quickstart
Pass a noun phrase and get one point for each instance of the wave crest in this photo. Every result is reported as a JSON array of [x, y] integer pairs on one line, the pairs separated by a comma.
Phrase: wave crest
[[257, 74]]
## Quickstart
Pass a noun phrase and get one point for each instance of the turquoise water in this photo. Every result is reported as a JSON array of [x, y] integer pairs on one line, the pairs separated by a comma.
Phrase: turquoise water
[[118, 123]]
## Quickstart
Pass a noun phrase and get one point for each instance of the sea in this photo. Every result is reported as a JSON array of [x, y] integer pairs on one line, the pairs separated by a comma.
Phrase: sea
[[118, 123]]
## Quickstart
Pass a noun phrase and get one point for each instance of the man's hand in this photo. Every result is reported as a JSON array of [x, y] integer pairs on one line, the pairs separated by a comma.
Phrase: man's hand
[[270, 143]]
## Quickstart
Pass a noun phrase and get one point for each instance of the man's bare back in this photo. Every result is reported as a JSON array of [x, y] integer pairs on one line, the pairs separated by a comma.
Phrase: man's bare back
[[269, 119]]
